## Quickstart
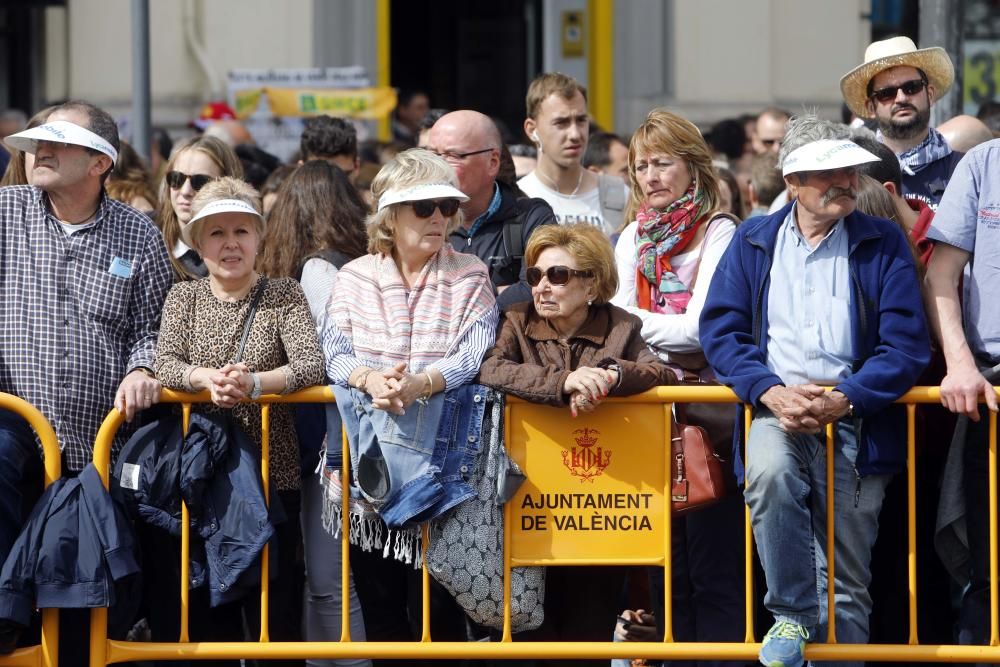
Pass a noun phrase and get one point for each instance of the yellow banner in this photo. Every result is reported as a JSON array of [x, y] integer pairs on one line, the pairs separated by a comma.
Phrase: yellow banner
[[595, 487], [363, 103]]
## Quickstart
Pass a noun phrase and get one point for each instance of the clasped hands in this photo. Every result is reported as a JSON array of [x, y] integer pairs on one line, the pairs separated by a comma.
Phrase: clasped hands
[[805, 408], [227, 385], [587, 387], [393, 389]]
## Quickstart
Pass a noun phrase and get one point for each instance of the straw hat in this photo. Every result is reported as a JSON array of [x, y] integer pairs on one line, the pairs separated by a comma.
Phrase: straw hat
[[894, 52]]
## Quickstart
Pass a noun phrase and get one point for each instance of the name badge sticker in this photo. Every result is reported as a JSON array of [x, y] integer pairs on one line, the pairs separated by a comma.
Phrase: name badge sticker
[[121, 268]]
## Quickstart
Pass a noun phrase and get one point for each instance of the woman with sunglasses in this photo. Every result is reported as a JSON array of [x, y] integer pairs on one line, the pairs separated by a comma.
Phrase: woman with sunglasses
[[570, 348], [408, 321], [193, 163], [666, 258]]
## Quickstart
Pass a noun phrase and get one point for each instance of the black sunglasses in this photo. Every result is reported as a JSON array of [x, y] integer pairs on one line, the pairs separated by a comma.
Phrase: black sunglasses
[[557, 275], [424, 208], [888, 93], [175, 179]]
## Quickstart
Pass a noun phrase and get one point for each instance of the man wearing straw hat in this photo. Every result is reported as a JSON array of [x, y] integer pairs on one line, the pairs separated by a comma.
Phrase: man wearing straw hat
[[82, 283], [817, 294], [896, 85]]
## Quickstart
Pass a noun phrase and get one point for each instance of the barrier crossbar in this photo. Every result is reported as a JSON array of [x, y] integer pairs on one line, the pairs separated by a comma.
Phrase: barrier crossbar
[[104, 651], [47, 652]]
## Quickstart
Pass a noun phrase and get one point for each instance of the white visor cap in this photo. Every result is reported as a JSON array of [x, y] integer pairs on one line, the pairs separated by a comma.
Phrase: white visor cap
[[191, 231], [419, 192], [826, 154], [60, 131]]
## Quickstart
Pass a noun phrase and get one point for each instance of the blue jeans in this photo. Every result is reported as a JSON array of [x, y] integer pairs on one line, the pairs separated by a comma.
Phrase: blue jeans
[[20, 477], [786, 492]]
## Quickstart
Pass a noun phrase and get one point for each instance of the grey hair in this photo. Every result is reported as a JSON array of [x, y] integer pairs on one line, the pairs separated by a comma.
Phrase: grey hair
[[807, 128]]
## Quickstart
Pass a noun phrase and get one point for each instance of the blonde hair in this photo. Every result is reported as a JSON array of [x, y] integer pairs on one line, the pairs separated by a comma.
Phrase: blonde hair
[[551, 83], [229, 165], [588, 245], [226, 187], [410, 168], [668, 133]]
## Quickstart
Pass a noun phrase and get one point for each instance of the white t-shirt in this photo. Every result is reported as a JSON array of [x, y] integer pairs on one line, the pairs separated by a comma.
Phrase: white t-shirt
[[663, 332], [582, 207], [317, 283], [69, 229]]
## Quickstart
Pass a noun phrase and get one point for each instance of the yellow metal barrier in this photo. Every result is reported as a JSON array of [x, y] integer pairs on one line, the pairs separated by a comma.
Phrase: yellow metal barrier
[[105, 651], [46, 653]]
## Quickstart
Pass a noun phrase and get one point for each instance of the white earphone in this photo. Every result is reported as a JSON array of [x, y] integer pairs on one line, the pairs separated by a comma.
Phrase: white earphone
[[534, 136]]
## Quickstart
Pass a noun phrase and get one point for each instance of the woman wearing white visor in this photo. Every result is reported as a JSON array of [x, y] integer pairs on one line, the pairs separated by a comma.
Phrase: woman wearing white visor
[[238, 335]]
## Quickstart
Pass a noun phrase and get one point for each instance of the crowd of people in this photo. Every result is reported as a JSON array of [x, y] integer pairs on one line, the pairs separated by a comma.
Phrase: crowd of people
[[818, 268]]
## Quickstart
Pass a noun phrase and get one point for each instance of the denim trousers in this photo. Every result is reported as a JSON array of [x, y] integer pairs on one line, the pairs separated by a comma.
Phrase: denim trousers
[[20, 477], [786, 492]]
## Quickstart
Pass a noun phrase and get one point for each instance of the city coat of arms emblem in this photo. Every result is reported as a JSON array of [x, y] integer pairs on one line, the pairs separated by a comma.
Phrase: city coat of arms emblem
[[586, 460]]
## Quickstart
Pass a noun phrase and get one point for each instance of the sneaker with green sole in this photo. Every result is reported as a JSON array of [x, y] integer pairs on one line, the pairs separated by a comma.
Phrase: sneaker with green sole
[[784, 645]]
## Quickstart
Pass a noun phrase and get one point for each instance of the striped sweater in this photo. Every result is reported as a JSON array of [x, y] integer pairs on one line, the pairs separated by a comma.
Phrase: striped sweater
[[375, 321]]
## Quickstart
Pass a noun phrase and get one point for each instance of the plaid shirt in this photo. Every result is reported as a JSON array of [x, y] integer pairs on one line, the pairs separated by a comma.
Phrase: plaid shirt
[[77, 312]]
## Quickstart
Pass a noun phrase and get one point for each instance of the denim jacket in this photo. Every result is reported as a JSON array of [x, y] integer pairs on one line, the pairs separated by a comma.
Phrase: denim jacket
[[413, 467]]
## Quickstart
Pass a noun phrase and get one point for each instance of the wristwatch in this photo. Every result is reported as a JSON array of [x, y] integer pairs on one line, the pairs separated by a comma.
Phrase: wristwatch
[[257, 389]]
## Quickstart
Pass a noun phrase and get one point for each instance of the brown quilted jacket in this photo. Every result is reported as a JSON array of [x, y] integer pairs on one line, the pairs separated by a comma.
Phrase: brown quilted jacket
[[530, 361]]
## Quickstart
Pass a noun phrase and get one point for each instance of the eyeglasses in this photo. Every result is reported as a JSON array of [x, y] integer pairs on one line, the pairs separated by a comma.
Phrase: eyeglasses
[[888, 93], [557, 275], [458, 157], [424, 208], [175, 179]]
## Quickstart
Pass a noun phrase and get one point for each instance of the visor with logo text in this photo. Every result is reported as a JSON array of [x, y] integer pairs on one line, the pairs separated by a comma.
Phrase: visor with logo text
[[826, 154], [191, 231], [60, 131]]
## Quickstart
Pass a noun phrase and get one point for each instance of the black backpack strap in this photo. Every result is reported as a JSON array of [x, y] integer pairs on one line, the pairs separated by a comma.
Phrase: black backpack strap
[[329, 255], [335, 257], [513, 237]]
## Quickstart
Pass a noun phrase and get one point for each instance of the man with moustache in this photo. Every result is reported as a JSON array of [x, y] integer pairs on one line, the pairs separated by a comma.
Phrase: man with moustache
[[558, 123], [896, 85], [815, 295]]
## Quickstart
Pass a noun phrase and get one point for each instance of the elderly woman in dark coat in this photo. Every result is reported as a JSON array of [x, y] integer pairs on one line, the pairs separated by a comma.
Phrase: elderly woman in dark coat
[[570, 347]]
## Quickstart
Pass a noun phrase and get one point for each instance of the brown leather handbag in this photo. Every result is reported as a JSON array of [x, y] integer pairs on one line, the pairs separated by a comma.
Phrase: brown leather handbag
[[696, 475]]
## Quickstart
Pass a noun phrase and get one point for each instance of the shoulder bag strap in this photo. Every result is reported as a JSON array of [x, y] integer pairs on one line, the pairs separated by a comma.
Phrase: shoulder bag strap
[[261, 285]]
